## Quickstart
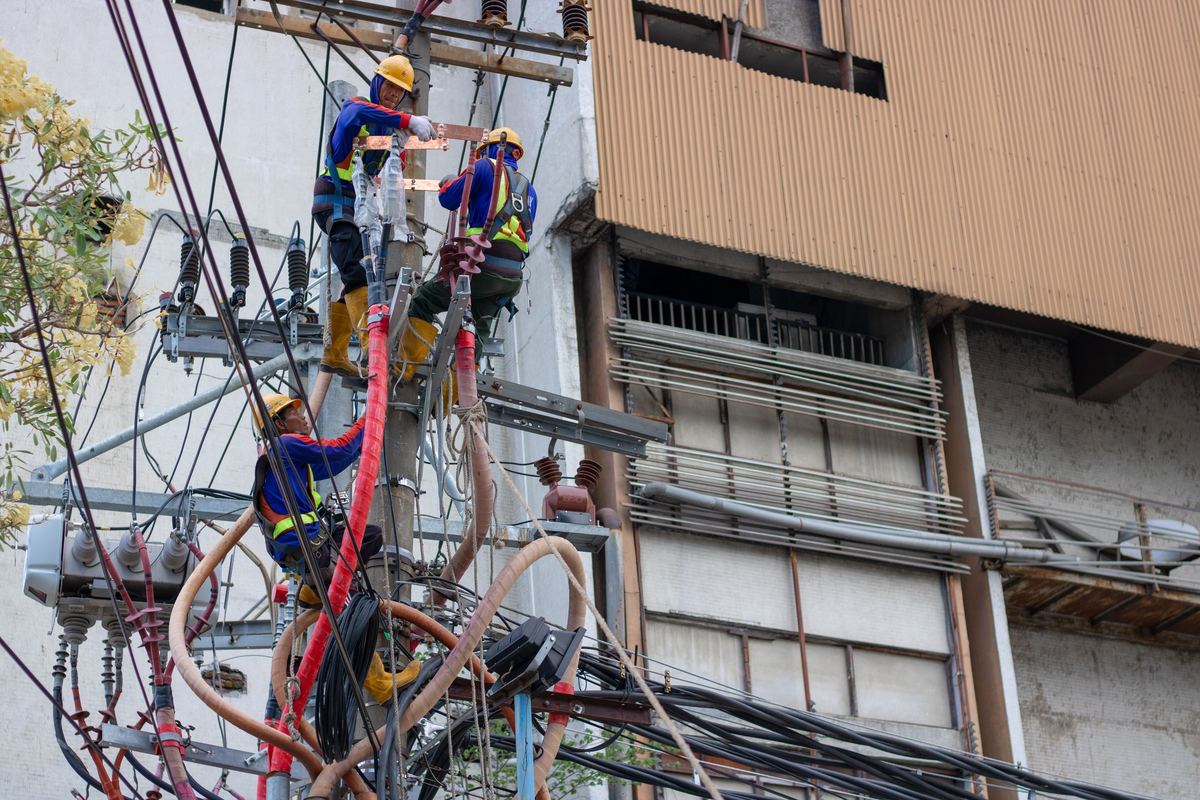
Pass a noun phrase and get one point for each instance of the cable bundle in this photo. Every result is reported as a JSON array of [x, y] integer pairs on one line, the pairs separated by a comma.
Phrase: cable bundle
[[336, 706]]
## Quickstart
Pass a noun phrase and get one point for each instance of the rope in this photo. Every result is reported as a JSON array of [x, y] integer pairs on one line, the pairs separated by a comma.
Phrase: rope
[[629, 666]]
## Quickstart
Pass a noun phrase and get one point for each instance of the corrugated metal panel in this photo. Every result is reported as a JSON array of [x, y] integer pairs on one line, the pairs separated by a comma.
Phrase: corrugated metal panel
[[1028, 157], [715, 9]]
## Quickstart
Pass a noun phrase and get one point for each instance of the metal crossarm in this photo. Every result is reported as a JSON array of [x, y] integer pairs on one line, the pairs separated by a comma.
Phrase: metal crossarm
[[204, 337], [515, 406]]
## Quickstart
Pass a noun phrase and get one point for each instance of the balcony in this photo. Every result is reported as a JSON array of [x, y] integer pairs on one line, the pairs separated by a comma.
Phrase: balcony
[[1137, 561]]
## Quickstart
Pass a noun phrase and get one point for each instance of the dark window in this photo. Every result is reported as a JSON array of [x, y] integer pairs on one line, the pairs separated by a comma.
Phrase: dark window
[[756, 51], [723, 306], [216, 6]]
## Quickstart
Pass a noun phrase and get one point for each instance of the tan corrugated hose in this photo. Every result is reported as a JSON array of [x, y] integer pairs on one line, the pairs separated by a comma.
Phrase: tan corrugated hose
[[463, 651]]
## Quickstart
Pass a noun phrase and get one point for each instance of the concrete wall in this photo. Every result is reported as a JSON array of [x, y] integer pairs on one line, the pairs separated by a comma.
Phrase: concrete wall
[[1103, 710], [271, 140], [1109, 712], [1143, 444]]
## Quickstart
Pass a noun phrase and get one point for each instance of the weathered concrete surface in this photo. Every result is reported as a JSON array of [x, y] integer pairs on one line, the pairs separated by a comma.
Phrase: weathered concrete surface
[[1110, 712]]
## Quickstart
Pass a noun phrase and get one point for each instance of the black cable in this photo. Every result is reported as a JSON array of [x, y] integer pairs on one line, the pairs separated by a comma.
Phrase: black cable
[[337, 715], [70, 755], [211, 274], [41, 687], [111, 580]]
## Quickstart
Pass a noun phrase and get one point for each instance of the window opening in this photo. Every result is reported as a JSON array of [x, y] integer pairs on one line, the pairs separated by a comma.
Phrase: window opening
[[758, 51], [721, 306]]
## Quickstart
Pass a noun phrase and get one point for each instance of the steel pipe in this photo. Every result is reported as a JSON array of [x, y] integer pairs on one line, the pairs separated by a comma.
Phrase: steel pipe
[[940, 544], [52, 470]]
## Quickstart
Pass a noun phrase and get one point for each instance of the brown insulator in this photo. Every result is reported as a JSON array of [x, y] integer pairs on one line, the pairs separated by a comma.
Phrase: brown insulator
[[588, 473], [575, 22], [493, 13], [239, 271], [297, 267], [189, 268], [549, 473]]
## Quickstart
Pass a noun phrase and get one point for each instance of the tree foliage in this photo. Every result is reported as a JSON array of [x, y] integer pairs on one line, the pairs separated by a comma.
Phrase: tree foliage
[[65, 181]]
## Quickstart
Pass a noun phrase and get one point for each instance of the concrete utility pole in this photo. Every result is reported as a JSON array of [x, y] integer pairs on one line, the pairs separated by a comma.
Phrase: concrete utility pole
[[395, 494]]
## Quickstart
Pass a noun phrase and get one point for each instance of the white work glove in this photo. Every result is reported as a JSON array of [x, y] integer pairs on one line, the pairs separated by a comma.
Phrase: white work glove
[[420, 127]]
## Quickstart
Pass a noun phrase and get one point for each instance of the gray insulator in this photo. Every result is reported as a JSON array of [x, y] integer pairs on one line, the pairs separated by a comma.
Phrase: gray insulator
[[127, 552], [75, 627], [174, 554], [83, 548]]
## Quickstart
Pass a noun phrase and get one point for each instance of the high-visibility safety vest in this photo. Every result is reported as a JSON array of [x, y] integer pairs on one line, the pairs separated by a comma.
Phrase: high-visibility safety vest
[[513, 219], [273, 523], [344, 170]]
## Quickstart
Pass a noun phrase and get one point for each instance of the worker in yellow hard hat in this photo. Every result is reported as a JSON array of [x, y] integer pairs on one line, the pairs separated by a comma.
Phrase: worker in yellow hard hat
[[306, 461], [503, 269], [333, 194]]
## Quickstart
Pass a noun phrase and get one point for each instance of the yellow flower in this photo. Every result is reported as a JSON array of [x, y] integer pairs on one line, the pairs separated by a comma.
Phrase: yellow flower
[[18, 93], [129, 224], [13, 515]]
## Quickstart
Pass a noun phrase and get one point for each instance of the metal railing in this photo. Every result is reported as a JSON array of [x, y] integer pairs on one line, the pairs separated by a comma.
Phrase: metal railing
[[753, 327], [1119, 534]]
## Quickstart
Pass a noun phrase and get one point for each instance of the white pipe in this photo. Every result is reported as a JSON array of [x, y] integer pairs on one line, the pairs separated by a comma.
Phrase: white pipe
[[941, 544]]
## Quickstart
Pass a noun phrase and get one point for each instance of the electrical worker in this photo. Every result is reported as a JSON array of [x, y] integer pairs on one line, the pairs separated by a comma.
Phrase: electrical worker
[[333, 196], [503, 268], [304, 459]]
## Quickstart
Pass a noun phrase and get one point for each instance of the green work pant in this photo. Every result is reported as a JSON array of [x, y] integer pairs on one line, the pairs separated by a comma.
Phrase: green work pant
[[488, 292]]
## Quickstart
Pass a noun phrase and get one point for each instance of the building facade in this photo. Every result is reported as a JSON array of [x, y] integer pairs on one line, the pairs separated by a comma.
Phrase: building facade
[[917, 267]]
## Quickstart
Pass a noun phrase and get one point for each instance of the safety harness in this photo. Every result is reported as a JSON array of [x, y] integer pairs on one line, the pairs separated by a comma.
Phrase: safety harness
[[273, 524]]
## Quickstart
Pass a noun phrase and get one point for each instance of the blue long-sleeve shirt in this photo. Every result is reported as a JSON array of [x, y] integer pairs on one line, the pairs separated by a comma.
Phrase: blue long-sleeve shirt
[[356, 113], [299, 452], [450, 195]]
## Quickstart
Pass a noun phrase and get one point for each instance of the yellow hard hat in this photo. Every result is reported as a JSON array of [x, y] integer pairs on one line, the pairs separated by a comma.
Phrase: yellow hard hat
[[397, 69], [493, 137], [276, 405]]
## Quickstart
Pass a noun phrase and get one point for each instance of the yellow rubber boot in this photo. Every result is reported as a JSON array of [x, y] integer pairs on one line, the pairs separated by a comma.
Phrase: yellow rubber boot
[[415, 345], [335, 358], [308, 597], [356, 312], [379, 681]]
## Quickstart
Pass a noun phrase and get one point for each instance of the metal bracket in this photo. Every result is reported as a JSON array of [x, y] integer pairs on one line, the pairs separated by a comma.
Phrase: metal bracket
[[398, 309], [204, 337], [522, 407], [390, 17], [444, 348], [211, 755]]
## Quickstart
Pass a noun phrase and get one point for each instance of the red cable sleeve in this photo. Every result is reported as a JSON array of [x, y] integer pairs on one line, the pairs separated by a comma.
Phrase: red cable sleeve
[[360, 507]]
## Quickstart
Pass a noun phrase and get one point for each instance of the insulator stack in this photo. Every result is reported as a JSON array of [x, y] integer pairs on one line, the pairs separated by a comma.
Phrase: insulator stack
[[297, 266], [588, 473], [575, 22], [549, 473], [239, 271], [189, 268], [494, 13]]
